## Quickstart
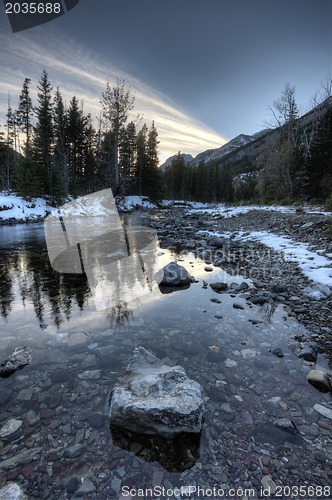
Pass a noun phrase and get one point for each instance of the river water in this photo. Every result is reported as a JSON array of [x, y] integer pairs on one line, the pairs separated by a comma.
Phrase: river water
[[80, 348]]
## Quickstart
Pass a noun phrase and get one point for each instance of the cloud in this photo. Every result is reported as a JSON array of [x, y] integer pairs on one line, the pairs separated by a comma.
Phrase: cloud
[[80, 72]]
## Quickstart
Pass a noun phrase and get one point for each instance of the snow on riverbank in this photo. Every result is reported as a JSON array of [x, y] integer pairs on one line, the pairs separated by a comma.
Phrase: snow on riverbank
[[315, 266], [228, 211], [16, 208]]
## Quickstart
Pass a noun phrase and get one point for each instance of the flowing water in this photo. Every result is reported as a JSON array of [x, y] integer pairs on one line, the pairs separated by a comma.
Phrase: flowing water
[[79, 350]]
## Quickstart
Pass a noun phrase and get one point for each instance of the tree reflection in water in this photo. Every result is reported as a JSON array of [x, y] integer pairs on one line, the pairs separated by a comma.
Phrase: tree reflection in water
[[119, 314], [27, 276]]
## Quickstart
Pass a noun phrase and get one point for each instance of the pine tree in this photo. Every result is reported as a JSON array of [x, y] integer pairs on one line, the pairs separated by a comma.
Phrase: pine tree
[[10, 157], [89, 156], [127, 157], [27, 181], [319, 169], [106, 161], [75, 131], [175, 179], [24, 112], [60, 160], [141, 140], [116, 104], [43, 136], [152, 182]]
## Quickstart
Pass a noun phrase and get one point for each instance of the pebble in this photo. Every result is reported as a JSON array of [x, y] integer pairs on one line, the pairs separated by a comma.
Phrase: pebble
[[10, 427], [77, 339], [74, 450], [26, 394], [86, 487], [323, 410], [268, 484], [238, 306], [90, 375], [320, 380], [12, 491]]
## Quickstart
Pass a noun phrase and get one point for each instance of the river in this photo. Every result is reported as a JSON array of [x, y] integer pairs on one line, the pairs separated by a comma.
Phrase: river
[[80, 348]]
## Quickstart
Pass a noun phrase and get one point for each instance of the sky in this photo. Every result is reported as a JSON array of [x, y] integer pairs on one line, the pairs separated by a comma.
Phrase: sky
[[204, 70]]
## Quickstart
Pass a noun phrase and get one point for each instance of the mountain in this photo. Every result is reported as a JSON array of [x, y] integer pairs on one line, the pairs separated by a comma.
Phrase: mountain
[[186, 157], [229, 147], [245, 148]]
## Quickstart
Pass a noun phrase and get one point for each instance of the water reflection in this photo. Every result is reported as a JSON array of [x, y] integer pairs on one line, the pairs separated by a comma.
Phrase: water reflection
[[26, 278], [61, 396]]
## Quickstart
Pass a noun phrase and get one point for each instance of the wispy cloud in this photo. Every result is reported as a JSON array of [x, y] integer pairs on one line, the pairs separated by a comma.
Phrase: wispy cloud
[[78, 71]]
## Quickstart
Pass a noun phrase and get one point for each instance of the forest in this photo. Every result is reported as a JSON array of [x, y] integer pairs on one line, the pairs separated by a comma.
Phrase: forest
[[52, 150], [291, 161]]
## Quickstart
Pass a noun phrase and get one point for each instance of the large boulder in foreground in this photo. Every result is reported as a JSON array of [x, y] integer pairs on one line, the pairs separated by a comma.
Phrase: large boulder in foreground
[[152, 398], [174, 275]]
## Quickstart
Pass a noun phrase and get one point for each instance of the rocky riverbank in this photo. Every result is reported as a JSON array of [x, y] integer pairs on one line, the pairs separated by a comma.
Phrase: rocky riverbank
[[275, 280], [265, 427]]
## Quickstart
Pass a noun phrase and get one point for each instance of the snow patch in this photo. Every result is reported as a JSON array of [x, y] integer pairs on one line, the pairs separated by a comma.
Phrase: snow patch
[[15, 207], [315, 266]]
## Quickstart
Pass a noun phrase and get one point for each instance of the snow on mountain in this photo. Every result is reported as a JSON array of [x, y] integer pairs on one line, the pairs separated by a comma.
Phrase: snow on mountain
[[229, 147], [186, 157]]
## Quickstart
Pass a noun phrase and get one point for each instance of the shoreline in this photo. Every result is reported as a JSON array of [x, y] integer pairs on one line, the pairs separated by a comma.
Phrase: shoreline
[[276, 281]]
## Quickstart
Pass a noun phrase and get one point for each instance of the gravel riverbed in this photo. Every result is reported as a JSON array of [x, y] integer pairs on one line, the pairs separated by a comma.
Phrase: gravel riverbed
[[250, 343]]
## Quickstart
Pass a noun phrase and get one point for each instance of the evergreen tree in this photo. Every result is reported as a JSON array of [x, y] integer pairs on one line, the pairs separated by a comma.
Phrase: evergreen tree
[[24, 112], [75, 131], [106, 161], [319, 168], [60, 160], [127, 157], [11, 161], [27, 181], [201, 182], [141, 141], [152, 182], [89, 156], [175, 179], [43, 136], [116, 104]]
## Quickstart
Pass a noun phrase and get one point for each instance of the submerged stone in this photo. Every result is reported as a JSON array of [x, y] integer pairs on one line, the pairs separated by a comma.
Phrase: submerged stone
[[12, 491], [20, 358], [153, 398], [307, 350]]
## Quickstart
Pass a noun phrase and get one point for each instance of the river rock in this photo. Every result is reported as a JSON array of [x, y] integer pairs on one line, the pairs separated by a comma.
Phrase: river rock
[[317, 291], [10, 427], [175, 275], [12, 491], [307, 351], [320, 380], [20, 358], [218, 287], [216, 241], [152, 398], [323, 410]]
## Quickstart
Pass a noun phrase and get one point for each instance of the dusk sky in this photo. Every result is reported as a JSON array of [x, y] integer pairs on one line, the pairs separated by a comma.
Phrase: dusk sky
[[204, 70]]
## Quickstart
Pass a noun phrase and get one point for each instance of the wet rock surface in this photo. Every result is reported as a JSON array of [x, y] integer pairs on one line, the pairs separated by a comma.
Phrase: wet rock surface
[[20, 357], [152, 398], [175, 276], [265, 425]]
